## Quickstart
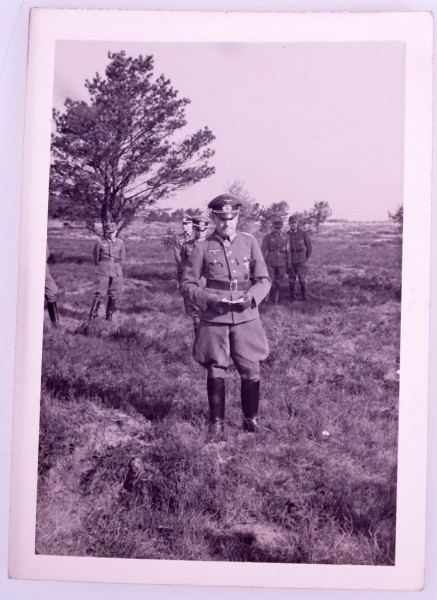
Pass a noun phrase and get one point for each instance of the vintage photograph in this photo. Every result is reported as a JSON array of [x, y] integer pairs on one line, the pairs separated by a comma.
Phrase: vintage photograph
[[246, 199], [221, 323]]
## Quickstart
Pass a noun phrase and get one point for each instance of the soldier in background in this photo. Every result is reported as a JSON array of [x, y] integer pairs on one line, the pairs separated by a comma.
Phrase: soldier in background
[[109, 254], [274, 250], [299, 250], [237, 280], [50, 291], [186, 236], [200, 229]]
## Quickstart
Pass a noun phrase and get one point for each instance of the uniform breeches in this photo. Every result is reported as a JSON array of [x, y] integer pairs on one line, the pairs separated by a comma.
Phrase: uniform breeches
[[50, 287], [298, 271], [105, 285], [217, 343], [50, 293], [276, 275]]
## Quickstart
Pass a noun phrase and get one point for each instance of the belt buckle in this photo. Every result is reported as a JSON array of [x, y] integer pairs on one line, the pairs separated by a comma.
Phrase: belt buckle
[[233, 283]]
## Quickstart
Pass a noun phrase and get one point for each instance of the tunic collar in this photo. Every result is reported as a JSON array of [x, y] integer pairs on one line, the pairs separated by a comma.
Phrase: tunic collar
[[228, 239]]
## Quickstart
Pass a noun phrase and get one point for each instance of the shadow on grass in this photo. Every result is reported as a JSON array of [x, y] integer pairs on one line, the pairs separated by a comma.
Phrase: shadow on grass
[[243, 546], [62, 258], [164, 271], [72, 314], [152, 406]]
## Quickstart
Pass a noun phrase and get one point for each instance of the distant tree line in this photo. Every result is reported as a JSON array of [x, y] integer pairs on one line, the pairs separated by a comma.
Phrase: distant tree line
[[397, 216], [168, 215], [252, 216]]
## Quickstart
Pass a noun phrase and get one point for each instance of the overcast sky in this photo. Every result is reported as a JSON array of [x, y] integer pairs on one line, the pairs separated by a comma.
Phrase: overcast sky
[[298, 122]]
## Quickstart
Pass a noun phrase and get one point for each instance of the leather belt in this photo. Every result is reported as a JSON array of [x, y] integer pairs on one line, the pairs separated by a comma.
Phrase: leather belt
[[230, 286]]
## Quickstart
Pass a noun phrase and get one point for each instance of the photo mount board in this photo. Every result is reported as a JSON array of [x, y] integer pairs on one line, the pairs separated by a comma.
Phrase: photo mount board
[[47, 26]]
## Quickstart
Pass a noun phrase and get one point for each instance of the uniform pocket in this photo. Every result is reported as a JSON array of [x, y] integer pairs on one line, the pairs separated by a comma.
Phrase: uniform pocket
[[215, 267]]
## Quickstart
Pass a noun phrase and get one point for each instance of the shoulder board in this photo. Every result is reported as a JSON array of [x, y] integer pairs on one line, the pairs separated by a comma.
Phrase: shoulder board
[[248, 234]]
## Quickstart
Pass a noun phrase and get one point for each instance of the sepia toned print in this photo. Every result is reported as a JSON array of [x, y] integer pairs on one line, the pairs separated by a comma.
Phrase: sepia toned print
[[234, 396], [313, 478]]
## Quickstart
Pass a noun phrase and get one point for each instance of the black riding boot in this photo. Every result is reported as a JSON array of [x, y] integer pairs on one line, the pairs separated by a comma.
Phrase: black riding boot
[[292, 292], [110, 307], [94, 309], [52, 309], [250, 404], [303, 289], [216, 401], [276, 296]]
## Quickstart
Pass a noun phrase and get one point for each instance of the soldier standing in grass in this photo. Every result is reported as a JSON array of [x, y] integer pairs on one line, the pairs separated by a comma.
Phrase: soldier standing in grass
[[200, 228], [237, 280], [299, 250], [186, 236], [50, 291], [109, 255], [274, 250]]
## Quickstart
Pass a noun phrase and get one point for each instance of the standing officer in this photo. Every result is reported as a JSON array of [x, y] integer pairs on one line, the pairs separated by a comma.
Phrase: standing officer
[[200, 228], [298, 252], [109, 254], [186, 236], [274, 250], [50, 291], [237, 280]]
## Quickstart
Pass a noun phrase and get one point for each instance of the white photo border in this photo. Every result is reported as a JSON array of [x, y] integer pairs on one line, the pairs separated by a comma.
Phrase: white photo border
[[47, 26]]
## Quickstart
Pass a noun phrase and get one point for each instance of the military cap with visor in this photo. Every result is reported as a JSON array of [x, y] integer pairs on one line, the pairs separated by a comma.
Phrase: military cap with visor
[[201, 223], [110, 227], [277, 223], [225, 206], [187, 219]]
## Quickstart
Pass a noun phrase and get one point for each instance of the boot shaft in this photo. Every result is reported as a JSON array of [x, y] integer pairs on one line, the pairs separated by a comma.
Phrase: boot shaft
[[52, 309], [110, 307], [250, 404], [216, 399], [94, 308]]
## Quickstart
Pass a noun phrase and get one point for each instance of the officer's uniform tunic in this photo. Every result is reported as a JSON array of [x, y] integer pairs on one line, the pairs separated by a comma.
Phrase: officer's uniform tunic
[[50, 287], [230, 268], [181, 240], [274, 247], [108, 258], [191, 309], [299, 250]]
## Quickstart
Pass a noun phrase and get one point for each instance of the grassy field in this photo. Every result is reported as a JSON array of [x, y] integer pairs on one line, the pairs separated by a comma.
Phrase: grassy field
[[124, 467]]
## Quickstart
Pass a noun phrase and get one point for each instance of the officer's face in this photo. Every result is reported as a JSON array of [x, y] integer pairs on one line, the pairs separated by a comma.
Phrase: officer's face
[[199, 234], [111, 235], [226, 227], [187, 226], [293, 225]]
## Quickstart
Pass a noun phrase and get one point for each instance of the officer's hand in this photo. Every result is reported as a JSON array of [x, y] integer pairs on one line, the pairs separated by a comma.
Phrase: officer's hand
[[246, 301], [216, 304]]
